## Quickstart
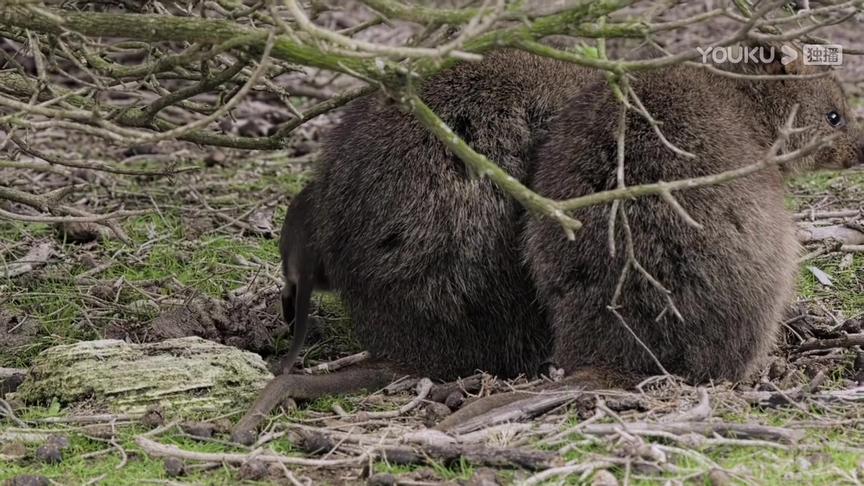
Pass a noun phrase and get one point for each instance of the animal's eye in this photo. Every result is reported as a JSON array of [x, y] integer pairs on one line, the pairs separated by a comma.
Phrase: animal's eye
[[834, 118]]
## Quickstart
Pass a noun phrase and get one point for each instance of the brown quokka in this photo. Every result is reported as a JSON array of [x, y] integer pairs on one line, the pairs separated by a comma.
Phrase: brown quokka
[[730, 280], [302, 269], [424, 254]]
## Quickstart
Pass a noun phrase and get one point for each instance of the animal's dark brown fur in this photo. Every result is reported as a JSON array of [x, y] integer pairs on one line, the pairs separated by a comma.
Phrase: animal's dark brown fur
[[428, 258], [424, 254], [731, 279], [302, 269]]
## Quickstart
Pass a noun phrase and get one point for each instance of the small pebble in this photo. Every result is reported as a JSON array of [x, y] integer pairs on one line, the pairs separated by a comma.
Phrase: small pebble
[[718, 478], [275, 471], [28, 481], [315, 443], [484, 477], [400, 456], [139, 150], [253, 470], [174, 467], [49, 454], [13, 450], [435, 412], [222, 426], [153, 418], [78, 232], [246, 438], [604, 478], [202, 430], [103, 292], [60, 441], [215, 158], [455, 400], [100, 431], [11, 383], [381, 479]]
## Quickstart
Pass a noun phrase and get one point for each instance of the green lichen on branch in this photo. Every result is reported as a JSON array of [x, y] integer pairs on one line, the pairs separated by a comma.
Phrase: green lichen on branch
[[482, 166], [167, 28]]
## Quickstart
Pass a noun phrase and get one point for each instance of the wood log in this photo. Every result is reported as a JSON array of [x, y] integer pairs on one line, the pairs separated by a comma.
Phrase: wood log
[[187, 374]]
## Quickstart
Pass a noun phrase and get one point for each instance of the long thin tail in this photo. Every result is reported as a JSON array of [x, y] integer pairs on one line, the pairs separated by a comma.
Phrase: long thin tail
[[302, 297]]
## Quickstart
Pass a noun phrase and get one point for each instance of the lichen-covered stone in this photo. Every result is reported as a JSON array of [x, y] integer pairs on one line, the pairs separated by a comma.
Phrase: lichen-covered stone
[[187, 374]]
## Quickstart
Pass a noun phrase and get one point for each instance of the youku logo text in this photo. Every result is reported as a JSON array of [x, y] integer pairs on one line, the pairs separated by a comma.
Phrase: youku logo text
[[810, 54]]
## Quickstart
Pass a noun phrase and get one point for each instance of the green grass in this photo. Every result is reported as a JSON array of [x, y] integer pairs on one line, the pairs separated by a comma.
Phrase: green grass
[[847, 290]]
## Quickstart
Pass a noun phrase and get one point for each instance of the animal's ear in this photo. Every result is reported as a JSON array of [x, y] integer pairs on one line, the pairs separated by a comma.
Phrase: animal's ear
[[780, 58]]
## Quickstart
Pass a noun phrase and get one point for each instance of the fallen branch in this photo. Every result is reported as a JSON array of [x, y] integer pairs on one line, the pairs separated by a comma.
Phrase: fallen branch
[[337, 364], [814, 215], [841, 233], [708, 429], [846, 341], [157, 449], [423, 389], [477, 455], [524, 409]]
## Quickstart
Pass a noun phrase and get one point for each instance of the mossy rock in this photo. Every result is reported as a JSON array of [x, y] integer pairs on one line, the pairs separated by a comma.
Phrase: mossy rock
[[187, 374]]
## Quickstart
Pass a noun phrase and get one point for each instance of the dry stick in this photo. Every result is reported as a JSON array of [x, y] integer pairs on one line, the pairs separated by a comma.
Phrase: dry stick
[[50, 202], [813, 215], [362, 47], [429, 447], [631, 260], [22, 86], [847, 341], [89, 419], [337, 364], [115, 132], [323, 107], [7, 411], [518, 410], [707, 429], [701, 411], [204, 85], [587, 467], [423, 389], [96, 218], [473, 453], [97, 166], [841, 233], [157, 449], [202, 122]]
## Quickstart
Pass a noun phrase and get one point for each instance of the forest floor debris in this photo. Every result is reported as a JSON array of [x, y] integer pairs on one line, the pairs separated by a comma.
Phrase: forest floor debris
[[799, 421]]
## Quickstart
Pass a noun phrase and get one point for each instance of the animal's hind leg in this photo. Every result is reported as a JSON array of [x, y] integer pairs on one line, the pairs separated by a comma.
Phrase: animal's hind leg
[[372, 376]]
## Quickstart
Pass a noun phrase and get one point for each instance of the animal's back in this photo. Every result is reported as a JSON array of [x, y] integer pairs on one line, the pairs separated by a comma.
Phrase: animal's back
[[424, 254], [730, 280]]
